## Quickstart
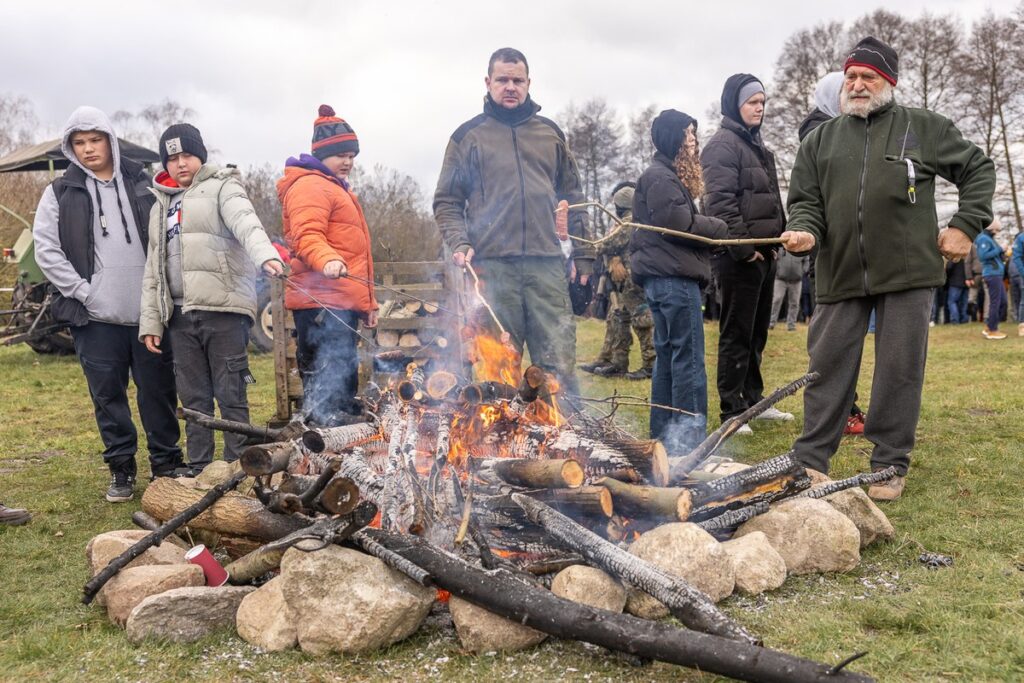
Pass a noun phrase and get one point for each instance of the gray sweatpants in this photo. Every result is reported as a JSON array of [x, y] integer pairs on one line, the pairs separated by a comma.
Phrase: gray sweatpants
[[790, 291], [835, 343]]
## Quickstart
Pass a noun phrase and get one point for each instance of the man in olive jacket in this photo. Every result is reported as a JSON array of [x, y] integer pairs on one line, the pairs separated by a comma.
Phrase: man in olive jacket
[[862, 189], [742, 189], [503, 175]]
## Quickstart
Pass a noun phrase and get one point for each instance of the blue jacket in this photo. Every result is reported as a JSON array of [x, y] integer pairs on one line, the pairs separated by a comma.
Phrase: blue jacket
[[1018, 253], [990, 254]]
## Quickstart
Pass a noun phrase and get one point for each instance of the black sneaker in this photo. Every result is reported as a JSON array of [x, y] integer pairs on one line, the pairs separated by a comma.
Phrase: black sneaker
[[122, 488], [640, 373], [591, 367], [610, 370]]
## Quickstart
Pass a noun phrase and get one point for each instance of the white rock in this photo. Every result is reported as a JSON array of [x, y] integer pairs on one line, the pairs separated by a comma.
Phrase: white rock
[[689, 552], [264, 619], [759, 567], [103, 548], [589, 586], [866, 516], [810, 535], [184, 615], [349, 601], [132, 585], [483, 631]]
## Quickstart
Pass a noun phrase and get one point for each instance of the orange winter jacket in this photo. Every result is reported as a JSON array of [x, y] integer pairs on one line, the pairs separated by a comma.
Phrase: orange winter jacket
[[322, 222]]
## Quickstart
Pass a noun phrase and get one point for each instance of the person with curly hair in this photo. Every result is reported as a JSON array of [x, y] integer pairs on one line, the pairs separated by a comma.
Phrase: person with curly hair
[[672, 270]]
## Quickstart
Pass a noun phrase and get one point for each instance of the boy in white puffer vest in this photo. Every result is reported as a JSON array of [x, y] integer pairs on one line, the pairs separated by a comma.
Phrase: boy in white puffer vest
[[199, 286]]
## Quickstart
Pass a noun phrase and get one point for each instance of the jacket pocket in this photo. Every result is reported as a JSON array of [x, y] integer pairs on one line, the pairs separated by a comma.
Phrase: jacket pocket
[[238, 376], [67, 310]]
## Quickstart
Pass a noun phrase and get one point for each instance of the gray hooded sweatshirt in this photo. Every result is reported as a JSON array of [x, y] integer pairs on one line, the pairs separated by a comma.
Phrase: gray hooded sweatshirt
[[112, 296]]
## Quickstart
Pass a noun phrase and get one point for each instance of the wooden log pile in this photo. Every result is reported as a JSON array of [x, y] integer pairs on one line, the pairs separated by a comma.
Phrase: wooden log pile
[[482, 477]]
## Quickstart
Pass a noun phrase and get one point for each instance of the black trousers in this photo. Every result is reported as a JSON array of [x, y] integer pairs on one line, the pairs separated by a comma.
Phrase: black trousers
[[211, 362], [328, 363], [109, 354], [743, 330]]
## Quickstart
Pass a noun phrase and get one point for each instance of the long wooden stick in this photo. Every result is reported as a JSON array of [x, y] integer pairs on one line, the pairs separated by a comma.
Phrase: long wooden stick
[[685, 602], [509, 595], [620, 224], [93, 586]]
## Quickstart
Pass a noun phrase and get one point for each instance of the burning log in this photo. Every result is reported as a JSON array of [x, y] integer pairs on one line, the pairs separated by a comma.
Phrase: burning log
[[338, 439], [234, 515], [268, 458], [486, 392], [681, 467], [291, 431], [685, 602], [534, 382], [411, 388], [392, 559], [862, 479], [774, 479], [355, 468], [507, 594], [188, 513], [585, 501], [440, 383], [649, 501], [534, 474], [648, 456]]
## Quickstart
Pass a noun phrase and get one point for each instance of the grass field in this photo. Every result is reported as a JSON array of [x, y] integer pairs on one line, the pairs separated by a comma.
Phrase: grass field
[[964, 499]]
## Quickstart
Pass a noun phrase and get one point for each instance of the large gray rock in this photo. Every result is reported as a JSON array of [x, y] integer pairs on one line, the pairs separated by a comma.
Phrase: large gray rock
[[184, 615], [811, 535], [589, 586], [349, 601], [870, 521], [759, 567], [689, 552], [131, 586], [483, 631], [264, 619]]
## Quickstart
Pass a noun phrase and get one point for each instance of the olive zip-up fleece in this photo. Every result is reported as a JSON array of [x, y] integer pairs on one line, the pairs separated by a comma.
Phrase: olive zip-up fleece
[[851, 189]]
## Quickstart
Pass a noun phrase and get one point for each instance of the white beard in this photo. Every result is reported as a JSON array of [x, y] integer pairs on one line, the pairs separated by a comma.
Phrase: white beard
[[862, 107]]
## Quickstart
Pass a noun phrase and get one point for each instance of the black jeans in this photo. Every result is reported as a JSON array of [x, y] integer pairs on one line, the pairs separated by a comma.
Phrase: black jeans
[[328, 363], [743, 330], [108, 354], [211, 362]]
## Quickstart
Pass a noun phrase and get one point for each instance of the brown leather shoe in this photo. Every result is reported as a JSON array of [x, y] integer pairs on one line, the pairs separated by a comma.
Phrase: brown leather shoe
[[13, 516], [889, 490]]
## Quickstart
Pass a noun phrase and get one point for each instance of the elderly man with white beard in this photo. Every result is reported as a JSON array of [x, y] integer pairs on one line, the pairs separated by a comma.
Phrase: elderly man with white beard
[[862, 190]]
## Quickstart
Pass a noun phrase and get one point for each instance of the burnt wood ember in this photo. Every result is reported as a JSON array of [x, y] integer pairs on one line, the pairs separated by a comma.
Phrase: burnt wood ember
[[174, 522], [685, 602], [507, 594], [530, 473], [768, 481], [863, 479], [681, 467], [649, 502]]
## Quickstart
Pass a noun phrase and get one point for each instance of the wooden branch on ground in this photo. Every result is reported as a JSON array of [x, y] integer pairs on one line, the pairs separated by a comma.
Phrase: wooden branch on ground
[[290, 431], [681, 467], [685, 602], [173, 523], [508, 595]]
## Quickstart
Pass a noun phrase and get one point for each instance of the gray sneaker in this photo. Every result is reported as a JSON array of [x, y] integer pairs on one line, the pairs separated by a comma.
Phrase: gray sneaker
[[13, 516], [774, 413], [122, 488]]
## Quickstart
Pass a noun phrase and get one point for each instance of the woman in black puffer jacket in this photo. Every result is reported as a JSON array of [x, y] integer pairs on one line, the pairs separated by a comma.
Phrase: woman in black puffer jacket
[[672, 271]]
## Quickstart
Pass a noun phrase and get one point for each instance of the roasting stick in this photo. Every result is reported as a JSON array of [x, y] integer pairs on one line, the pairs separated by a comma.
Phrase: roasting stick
[[620, 224], [291, 283], [479, 295]]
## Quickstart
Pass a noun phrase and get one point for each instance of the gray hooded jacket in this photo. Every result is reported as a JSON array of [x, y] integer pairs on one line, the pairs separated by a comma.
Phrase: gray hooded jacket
[[111, 295]]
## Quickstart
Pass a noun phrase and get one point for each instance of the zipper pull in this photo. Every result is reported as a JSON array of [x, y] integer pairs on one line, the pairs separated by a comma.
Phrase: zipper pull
[[911, 182]]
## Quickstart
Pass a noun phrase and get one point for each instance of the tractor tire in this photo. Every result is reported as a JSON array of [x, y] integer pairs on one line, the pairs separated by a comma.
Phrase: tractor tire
[[262, 337], [29, 297]]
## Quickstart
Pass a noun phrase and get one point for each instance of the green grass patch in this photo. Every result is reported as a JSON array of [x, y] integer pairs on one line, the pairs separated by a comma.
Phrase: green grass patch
[[963, 498]]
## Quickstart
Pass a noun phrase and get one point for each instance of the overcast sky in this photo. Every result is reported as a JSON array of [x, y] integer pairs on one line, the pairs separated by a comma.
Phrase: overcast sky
[[403, 73]]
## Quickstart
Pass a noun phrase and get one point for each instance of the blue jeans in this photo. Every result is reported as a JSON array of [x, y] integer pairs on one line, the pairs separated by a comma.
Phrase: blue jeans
[[956, 304], [680, 379]]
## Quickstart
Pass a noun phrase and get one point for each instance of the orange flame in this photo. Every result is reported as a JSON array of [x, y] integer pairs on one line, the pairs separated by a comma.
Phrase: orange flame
[[494, 361]]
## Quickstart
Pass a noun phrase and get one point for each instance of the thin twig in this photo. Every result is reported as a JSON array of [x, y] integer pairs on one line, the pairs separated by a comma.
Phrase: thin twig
[[480, 296], [633, 401]]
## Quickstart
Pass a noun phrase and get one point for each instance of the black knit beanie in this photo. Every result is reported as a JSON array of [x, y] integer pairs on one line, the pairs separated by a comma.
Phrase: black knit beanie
[[332, 135], [181, 137], [669, 131], [876, 55]]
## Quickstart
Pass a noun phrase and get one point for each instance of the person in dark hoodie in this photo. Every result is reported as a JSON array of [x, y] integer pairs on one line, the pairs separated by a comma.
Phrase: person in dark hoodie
[[91, 238], [672, 270], [504, 172], [742, 189], [329, 239], [880, 159]]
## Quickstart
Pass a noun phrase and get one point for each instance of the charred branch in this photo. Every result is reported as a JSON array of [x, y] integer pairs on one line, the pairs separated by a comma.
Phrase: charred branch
[[862, 479]]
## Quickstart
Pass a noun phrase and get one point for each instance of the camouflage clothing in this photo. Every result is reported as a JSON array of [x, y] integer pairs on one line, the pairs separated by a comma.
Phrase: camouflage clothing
[[628, 306]]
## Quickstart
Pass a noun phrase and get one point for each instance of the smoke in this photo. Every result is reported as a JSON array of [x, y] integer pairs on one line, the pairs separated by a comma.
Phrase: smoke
[[682, 433], [329, 363]]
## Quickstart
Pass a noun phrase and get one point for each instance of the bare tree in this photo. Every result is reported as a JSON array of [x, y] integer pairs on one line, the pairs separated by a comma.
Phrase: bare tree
[[928, 63], [892, 29], [595, 138], [401, 226], [18, 122], [260, 184], [637, 146], [145, 126]]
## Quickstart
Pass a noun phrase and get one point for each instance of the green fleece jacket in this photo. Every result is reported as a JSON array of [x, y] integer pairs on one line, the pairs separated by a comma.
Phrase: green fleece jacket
[[850, 188]]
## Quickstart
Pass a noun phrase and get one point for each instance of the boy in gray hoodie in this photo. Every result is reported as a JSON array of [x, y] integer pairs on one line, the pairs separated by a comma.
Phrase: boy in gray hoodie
[[90, 237]]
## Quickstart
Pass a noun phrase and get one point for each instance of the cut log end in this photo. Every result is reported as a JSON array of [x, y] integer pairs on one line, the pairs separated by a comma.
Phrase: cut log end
[[313, 441], [341, 496]]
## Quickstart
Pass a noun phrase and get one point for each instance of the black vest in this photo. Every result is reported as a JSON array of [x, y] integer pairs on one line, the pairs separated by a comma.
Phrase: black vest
[[75, 227]]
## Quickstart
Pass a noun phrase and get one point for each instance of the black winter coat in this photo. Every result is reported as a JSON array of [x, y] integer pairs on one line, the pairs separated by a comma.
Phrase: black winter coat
[[812, 121], [662, 200], [742, 187]]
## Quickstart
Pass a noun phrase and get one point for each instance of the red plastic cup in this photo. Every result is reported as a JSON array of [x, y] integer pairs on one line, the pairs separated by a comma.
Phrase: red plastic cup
[[215, 574]]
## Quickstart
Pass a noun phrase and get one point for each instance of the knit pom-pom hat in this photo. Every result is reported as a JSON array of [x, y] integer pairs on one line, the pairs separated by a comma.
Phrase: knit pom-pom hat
[[332, 135]]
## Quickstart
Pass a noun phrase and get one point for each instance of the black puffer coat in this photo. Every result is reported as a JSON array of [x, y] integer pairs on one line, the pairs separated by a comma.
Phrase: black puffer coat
[[741, 183], [663, 201]]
